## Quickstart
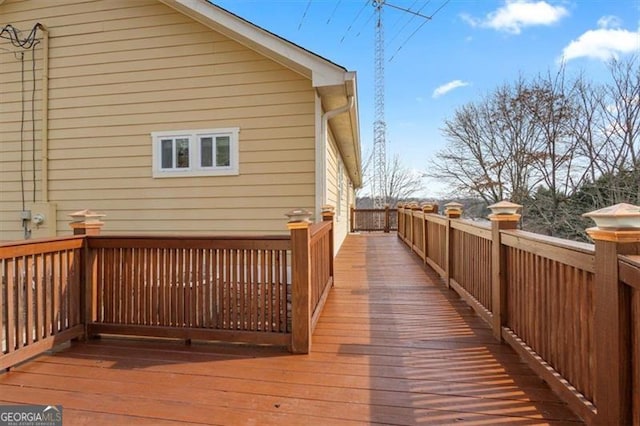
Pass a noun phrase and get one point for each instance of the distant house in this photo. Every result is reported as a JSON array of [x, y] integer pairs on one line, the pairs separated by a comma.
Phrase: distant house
[[169, 116]]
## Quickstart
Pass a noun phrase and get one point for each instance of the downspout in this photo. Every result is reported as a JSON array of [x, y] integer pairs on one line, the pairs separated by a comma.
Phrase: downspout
[[323, 152], [44, 148]]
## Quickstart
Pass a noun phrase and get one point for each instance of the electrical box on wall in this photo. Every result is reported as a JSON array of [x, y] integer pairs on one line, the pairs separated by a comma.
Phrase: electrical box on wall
[[43, 220]]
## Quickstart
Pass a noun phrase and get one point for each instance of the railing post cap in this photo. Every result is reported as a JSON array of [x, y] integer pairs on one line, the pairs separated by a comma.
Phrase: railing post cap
[[428, 207], [86, 216], [298, 217], [619, 216], [617, 223], [453, 210], [503, 217], [504, 211], [614, 235], [328, 208], [328, 212], [504, 207], [86, 222], [453, 204]]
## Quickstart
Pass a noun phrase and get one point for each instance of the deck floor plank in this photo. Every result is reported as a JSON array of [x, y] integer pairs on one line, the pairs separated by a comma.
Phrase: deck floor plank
[[391, 347]]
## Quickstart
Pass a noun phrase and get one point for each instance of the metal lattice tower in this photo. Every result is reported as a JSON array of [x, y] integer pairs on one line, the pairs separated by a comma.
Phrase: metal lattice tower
[[379, 124]]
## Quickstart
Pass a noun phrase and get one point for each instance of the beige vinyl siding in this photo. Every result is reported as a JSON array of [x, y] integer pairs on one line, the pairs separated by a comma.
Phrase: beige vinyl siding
[[121, 69], [341, 216], [17, 156]]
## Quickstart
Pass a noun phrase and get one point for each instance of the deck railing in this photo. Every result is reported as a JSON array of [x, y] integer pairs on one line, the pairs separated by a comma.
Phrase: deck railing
[[321, 261], [372, 220], [572, 310], [40, 293], [213, 288], [264, 290]]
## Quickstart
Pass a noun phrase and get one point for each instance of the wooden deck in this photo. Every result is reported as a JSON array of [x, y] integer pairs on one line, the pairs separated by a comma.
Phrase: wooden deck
[[391, 347]]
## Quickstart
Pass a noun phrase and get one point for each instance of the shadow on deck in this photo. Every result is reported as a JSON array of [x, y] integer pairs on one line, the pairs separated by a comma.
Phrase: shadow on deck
[[392, 347]]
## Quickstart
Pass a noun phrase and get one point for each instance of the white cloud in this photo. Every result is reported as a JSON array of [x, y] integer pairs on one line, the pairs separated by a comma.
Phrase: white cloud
[[608, 41], [609, 21], [517, 14], [446, 88]]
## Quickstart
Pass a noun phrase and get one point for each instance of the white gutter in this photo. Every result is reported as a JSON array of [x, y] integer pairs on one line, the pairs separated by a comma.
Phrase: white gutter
[[321, 153], [341, 110]]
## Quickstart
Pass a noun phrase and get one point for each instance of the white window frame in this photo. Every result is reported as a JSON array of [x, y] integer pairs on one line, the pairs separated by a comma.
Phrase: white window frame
[[195, 168]]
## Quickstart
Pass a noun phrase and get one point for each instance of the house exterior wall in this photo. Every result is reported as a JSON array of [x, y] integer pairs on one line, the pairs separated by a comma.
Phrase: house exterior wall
[[337, 191], [120, 70]]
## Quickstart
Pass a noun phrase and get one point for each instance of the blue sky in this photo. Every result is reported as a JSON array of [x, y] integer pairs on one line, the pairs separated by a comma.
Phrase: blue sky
[[469, 48]]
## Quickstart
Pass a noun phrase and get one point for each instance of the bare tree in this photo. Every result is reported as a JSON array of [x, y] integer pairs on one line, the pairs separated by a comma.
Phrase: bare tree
[[559, 146], [490, 147], [623, 117], [402, 182], [550, 101], [367, 165]]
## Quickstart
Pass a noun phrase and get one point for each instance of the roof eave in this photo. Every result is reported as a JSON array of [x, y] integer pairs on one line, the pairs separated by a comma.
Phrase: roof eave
[[319, 70], [352, 90]]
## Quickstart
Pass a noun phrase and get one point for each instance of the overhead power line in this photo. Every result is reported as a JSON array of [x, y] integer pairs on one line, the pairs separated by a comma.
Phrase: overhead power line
[[334, 11], [304, 15], [366, 3], [406, 24], [429, 18]]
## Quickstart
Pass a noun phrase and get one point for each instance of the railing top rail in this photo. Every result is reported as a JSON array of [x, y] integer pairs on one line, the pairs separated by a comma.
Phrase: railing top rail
[[554, 241], [435, 218], [15, 243], [629, 269], [39, 246], [633, 260], [374, 210], [267, 242], [190, 237], [482, 230], [576, 254]]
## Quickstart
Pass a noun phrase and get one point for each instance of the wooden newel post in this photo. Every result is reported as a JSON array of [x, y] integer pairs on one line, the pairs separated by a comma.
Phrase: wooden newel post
[[328, 213], [452, 210], [300, 281], [88, 222], [427, 208], [616, 233], [399, 207], [352, 221], [414, 207], [504, 216], [387, 219]]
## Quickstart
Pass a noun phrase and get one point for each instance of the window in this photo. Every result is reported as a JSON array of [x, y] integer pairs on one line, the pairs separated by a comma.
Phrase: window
[[209, 152]]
